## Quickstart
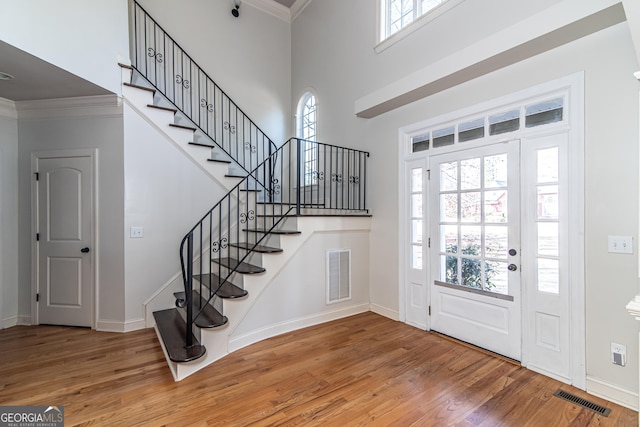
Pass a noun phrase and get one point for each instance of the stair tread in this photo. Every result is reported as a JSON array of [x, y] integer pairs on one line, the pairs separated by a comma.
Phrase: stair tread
[[227, 290], [262, 230], [240, 267], [219, 161], [159, 107], [128, 67], [140, 87], [200, 144], [172, 327], [229, 175], [251, 190], [258, 248], [210, 317], [174, 125]]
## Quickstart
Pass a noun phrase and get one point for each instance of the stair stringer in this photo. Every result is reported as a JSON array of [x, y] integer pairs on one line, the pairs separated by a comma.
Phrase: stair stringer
[[219, 341], [161, 120]]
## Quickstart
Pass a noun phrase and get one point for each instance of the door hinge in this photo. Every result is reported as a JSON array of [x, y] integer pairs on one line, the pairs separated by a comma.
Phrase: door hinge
[[37, 297], [429, 242], [428, 174], [37, 174], [37, 237], [429, 310]]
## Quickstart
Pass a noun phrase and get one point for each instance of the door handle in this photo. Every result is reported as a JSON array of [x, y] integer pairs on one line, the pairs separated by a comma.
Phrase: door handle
[[84, 250], [513, 252], [512, 267]]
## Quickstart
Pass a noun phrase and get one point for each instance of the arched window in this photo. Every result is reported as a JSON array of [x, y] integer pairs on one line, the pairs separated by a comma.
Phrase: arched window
[[307, 131], [308, 117]]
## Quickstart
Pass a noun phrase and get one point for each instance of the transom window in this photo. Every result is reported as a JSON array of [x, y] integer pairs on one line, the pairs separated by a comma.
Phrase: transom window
[[538, 113], [398, 14]]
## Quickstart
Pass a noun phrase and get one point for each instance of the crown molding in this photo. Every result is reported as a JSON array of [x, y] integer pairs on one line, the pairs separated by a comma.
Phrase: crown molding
[[85, 106], [8, 109], [298, 7], [271, 7], [274, 8]]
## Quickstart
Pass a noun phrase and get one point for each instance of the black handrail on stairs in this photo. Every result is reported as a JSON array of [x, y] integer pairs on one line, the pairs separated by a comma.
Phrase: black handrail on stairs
[[300, 175], [280, 182], [161, 60]]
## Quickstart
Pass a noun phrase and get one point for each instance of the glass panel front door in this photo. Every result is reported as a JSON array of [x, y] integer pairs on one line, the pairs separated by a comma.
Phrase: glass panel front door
[[476, 280]]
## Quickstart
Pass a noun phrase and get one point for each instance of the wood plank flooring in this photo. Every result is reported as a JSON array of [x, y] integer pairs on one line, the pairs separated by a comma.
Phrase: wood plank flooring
[[364, 370]]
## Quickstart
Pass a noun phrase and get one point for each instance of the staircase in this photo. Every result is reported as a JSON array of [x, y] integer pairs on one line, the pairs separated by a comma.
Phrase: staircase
[[275, 198]]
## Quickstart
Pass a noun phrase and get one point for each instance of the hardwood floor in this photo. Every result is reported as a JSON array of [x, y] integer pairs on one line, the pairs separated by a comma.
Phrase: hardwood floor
[[364, 370]]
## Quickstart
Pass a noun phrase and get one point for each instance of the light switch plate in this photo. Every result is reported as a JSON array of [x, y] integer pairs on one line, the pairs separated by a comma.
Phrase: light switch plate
[[620, 244], [137, 232]]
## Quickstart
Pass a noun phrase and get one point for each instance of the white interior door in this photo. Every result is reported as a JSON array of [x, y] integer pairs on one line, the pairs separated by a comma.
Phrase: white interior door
[[475, 246], [64, 248]]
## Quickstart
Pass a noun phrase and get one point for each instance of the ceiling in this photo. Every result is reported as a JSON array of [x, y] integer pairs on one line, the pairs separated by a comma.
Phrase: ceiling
[[36, 79]]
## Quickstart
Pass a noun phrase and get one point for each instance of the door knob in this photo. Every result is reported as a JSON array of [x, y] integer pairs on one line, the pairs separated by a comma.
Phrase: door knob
[[512, 267], [84, 250], [513, 252]]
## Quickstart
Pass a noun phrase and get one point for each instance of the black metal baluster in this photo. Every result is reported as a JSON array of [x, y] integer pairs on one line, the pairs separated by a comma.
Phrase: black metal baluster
[[298, 167], [188, 296]]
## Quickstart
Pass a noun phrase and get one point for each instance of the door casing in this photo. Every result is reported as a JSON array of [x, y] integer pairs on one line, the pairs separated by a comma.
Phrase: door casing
[[573, 87]]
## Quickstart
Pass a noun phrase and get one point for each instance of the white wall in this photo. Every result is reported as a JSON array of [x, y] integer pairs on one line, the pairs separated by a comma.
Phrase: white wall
[[166, 194], [78, 127], [83, 37], [8, 215], [341, 66], [248, 57], [298, 292]]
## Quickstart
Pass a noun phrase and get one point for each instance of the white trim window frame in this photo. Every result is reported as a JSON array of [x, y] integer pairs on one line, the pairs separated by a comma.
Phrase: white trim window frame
[[422, 12], [307, 129]]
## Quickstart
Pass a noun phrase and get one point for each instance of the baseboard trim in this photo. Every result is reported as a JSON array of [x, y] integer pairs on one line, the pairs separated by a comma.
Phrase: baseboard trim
[[384, 311], [9, 322], [120, 327], [236, 343], [612, 393]]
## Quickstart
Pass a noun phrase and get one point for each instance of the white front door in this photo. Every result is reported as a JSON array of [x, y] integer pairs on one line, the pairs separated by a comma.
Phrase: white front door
[[65, 244], [475, 246]]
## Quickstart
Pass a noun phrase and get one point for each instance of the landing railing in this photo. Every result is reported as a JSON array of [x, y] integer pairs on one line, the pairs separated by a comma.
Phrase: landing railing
[[300, 175], [161, 60]]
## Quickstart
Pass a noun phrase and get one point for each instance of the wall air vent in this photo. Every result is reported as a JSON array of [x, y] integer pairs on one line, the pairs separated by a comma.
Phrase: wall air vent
[[338, 275]]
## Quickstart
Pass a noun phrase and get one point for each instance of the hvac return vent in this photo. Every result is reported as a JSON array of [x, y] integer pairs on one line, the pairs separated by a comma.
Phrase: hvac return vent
[[582, 402], [338, 275]]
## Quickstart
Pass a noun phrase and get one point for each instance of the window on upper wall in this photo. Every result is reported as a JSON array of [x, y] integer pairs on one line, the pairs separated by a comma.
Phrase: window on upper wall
[[396, 15], [306, 130]]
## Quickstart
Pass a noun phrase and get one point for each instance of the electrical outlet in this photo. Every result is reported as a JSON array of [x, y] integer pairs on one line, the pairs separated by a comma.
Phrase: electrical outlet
[[620, 244], [137, 232], [618, 354]]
